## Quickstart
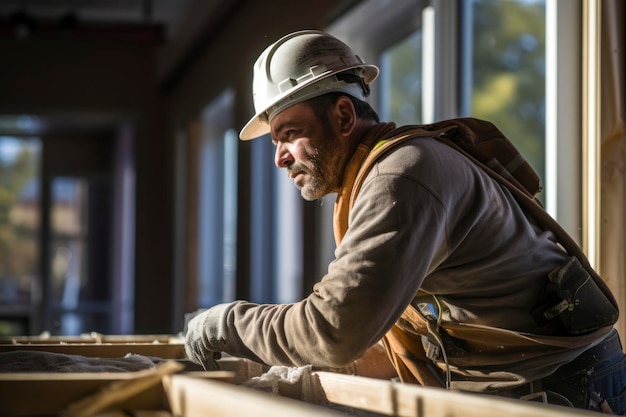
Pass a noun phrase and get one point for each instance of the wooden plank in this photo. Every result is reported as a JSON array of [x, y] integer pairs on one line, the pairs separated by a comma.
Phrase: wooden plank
[[90, 338], [105, 350], [408, 400], [31, 394], [243, 369], [192, 397]]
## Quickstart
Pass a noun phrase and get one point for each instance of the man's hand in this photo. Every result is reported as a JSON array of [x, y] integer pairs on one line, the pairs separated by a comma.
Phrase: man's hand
[[197, 347]]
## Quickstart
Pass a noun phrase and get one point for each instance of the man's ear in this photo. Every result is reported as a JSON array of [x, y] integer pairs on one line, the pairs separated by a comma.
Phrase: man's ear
[[345, 115]]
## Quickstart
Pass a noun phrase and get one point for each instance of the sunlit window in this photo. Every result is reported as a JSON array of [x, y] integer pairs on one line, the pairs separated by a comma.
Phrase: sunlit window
[[20, 221], [503, 70], [68, 263], [80, 297], [400, 81], [276, 271], [217, 204]]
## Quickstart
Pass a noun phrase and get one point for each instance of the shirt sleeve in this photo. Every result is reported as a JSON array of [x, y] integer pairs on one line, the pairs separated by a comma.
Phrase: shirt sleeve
[[397, 230]]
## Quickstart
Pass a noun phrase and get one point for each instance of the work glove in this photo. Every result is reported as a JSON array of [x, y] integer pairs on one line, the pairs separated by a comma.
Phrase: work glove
[[201, 337]]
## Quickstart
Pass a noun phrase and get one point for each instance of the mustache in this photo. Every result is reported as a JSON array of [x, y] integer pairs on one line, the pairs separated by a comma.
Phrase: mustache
[[297, 167]]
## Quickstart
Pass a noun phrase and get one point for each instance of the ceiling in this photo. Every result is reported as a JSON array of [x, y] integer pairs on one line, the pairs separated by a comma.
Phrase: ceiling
[[181, 25], [169, 13]]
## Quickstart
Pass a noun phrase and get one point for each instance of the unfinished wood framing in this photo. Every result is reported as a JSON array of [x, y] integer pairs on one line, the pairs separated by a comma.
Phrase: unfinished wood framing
[[100, 346], [407, 400], [169, 389], [195, 397]]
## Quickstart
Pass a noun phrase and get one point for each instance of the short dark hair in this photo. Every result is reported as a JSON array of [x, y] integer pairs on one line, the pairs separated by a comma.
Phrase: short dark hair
[[362, 109]]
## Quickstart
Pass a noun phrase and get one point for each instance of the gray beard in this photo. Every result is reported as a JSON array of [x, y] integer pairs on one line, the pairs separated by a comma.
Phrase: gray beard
[[322, 180], [314, 190]]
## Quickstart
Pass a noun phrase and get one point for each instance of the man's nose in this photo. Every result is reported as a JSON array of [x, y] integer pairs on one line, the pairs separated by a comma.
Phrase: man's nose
[[282, 158]]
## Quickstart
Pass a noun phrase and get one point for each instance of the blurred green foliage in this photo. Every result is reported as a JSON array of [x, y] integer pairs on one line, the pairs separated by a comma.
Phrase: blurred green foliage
[[508, 79], [19, 167]]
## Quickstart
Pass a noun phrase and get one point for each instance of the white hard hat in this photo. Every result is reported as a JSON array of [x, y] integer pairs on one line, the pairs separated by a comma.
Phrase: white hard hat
[[300, 66]]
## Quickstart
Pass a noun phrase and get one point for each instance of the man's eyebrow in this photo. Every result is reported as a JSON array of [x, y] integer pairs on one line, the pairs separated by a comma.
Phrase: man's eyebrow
[[275, 132], [283, 126], [280, 127]]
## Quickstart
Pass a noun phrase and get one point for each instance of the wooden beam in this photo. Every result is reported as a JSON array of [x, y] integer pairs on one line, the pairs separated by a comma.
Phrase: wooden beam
[[104, 350], [38, 394], [190, 396], [408, 400]]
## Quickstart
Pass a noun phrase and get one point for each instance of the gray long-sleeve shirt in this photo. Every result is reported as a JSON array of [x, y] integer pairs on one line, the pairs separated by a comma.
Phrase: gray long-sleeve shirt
[[425, 217]]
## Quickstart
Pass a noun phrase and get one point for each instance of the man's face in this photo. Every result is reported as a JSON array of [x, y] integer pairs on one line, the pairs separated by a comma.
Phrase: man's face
[[310, 150]]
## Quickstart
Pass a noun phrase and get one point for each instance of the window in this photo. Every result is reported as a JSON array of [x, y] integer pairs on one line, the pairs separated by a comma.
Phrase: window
[[261, 220], [389, 33], [20, 221], [68, 242], [276, 236], [80, 273], [217, 203], [67, 227], [503, 71], [400, 81]]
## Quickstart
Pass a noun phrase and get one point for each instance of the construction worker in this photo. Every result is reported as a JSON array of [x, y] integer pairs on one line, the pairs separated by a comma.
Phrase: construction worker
[[441, 278]]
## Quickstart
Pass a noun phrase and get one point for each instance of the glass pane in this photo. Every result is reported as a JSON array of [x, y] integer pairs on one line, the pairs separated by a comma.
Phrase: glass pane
[[217, 203], [79, 262], [231, 140], [401, 81], [506, 65], [19, 231], [68, 220]]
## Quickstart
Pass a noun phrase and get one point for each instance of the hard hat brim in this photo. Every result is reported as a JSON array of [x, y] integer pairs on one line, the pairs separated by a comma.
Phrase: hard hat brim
[[254, 128], [257, 127]]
